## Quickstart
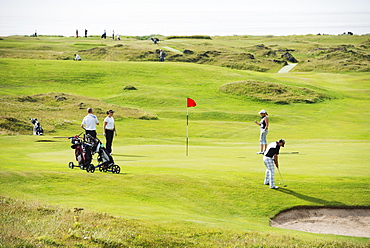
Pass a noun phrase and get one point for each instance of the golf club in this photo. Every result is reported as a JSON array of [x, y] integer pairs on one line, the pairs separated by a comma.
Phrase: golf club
[[289, 153], [282, 178]]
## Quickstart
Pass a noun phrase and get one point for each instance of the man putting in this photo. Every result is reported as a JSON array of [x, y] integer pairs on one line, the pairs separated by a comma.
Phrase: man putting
[[270, 157]]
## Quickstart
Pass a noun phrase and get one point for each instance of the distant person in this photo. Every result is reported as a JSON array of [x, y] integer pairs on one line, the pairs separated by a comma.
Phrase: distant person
[[85, 33], [264, 125], [37, 129], [104, 35], [162, 55], [76, 33], [89, 123], [155, 40], [109, 130], [270, 158], [113, 35], [77, 57], [118, 37]]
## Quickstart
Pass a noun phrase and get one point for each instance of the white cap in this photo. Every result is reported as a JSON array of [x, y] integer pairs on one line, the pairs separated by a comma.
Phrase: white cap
[[262, 111]]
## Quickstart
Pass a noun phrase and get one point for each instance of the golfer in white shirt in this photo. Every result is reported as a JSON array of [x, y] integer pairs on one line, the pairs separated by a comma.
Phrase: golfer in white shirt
[[89, 123]]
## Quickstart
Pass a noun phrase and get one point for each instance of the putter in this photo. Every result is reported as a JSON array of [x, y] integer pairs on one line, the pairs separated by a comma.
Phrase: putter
[[282, 178]]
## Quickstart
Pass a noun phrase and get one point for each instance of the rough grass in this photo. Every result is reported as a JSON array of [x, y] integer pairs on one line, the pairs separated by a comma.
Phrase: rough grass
[[326, 53], [273, 92], [32, 224], [64, 108]]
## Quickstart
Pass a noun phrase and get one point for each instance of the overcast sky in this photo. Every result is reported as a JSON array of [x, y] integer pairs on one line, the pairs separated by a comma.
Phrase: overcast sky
[[144, 17]]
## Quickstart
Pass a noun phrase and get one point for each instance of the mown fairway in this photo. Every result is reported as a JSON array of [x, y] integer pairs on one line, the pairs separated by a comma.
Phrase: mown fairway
[[219, 186]]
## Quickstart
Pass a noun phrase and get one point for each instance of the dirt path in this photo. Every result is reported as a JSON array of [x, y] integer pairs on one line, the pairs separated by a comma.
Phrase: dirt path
[[348, 222], [172, 49], [287, 68]]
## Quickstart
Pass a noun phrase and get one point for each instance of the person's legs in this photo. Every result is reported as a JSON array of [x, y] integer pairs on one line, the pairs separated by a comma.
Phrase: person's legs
[[91, 132], [270, 170], [264, 147], [109, 140], [267, 177], [263, 140]]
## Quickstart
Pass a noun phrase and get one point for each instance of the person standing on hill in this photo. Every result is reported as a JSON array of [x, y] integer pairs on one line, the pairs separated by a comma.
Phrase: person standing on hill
[[109, 130], [270, 158], [104, 35], [89, 123], [162, 55], [264, 125]]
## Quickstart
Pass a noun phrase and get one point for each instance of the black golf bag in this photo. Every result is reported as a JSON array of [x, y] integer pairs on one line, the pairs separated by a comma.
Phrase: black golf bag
[[104, 158], [83, 152], [106, 162], [37, 129]]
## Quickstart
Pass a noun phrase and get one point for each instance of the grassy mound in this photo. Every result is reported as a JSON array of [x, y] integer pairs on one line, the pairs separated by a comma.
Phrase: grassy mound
[[273, 92], [340, 58], [65, 109], [12, 125]]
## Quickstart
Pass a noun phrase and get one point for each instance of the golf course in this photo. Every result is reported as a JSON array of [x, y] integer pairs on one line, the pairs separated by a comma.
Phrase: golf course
[[214, 196]]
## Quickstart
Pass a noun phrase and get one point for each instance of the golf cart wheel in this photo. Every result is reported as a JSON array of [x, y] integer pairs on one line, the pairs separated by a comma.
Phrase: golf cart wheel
[[71, 165], [116, 169], [91, 168]]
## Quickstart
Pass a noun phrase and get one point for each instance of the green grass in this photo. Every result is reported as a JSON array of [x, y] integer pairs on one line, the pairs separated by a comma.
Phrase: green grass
[[212, 198]]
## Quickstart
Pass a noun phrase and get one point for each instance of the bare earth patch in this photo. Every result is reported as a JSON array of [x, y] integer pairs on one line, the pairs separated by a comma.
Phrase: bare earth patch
[[340, 221]]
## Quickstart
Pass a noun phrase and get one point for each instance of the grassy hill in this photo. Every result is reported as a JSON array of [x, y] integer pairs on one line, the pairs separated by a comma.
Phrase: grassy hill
[[214, 197], [317, 53]]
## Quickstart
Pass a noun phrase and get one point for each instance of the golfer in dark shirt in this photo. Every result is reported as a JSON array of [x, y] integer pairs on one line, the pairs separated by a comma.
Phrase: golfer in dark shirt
[[270, 157]]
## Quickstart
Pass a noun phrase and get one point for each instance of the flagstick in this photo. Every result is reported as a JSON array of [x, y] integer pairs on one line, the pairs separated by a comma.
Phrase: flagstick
[[187, 131]]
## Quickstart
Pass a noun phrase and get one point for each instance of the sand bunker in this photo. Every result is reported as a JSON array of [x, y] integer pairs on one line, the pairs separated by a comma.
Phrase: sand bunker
[[340, 221]]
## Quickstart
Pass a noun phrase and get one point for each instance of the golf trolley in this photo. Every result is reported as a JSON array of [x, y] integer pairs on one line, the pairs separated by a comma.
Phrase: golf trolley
[[37, 129], [85, 147], [105, 160], [83, 152]]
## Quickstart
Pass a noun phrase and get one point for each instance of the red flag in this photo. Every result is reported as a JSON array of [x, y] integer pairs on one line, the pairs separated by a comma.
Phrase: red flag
[[191, 103]]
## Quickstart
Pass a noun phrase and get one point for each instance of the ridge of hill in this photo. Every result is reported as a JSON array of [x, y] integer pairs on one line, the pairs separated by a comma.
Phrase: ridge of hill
[[313, 53]]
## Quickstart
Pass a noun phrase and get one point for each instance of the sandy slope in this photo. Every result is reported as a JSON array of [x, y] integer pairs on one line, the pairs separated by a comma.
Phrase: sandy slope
[[348, 222]]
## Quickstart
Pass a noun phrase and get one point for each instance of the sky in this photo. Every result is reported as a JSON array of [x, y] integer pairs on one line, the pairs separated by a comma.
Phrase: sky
[[191, 17]]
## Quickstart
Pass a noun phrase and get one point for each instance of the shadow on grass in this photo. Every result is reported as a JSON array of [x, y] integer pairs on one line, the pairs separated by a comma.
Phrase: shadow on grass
[[133, 156], [310, 198]]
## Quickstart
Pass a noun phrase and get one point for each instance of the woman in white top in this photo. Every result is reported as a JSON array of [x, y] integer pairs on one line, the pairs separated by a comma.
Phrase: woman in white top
[[264, 125], [109, 130]]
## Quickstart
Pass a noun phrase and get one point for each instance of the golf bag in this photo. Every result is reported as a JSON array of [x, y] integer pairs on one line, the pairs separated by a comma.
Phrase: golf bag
[[83, 152], [85, 148], [37, 129], [105, 160], [155, 40]]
